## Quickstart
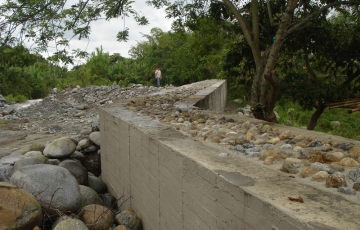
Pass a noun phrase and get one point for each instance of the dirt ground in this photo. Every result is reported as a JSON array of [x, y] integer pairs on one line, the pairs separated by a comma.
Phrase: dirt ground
[[15, 140]]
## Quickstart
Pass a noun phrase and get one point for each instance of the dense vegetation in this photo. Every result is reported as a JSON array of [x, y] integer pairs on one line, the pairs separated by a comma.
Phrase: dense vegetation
[[318, 63]]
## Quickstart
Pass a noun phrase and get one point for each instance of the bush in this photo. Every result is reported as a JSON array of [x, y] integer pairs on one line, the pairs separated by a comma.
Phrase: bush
[[16, 99]]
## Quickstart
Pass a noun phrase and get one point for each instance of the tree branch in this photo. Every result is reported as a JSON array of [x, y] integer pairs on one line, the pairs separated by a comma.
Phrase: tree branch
[[303, 23], [79, 13], [270, 14], [255, 23], [245, 29]]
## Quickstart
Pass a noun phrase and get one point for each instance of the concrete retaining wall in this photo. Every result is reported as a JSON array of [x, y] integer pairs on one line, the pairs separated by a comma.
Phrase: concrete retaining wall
[[177, 183], [213, 97], [174, 182]]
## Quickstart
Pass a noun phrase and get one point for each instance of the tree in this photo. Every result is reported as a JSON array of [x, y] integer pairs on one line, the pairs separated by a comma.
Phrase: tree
[[325, 70], [284, 18], [49, 22], [26, 74], [184, 56]]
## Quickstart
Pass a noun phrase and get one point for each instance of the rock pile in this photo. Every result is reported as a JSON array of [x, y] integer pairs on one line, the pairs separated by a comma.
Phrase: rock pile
[[71, 109], [6, 107], [58, 186]]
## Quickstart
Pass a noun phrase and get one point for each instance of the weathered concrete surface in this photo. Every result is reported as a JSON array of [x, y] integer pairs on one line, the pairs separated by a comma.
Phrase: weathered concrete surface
[[211, 98], [178, 183]]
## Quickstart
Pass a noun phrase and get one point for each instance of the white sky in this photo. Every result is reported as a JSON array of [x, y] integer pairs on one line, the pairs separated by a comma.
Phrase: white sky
[[103, 33]]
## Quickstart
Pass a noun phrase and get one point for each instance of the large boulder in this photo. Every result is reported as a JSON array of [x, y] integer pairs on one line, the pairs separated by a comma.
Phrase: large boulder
[[129, 219], [95, 138], [77, 170], [109, 201], [31, 160], [97, 184], [89, 196], [53, 186], [97, 217], [11, 159], [37, 147], [84, 143], [93, 163], [4, 154], [60, 148], [18, 209], [71, 223], [6, 172]]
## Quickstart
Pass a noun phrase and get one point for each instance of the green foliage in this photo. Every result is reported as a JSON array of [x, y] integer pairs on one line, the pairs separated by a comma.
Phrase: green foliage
[[26, 74], [104, 69], [16, 99], [123, 35], [292, 114], [44, 23], [184, 57]]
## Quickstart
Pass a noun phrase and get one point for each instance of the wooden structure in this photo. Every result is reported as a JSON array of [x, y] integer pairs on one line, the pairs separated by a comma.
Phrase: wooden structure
[[352, 104]]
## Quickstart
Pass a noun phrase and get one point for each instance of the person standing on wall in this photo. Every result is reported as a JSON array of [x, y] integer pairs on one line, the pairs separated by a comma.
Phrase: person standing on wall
[[158, 76]]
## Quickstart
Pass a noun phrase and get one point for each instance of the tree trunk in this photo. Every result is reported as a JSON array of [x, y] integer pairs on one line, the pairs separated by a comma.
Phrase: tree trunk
[[314, 118], [266, 85]]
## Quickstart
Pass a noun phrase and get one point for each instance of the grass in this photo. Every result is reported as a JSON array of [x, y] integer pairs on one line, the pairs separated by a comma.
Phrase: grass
[[4, 123], [292, 115], [12, 124], [16, 99]]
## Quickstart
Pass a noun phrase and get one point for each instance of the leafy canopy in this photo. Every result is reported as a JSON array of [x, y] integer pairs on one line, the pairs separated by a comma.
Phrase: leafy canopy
[[51, 22]]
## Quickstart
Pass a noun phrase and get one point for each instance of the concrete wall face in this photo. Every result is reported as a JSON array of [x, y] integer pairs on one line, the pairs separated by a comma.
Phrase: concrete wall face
[[171, 187], [214, 97]]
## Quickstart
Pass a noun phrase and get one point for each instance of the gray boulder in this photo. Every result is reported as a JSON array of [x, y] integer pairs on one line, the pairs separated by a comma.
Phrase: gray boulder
[[84, 143], [129, 219], [33, 153], [10, 108], [95, 138], [4, 154], [77, 170], [89, 196], [60, 148], [78, 156], [52, 185], [109, 201], [97, 184], [323, 167], [6, 172], [40, 159], [11, 159], [95, 125]]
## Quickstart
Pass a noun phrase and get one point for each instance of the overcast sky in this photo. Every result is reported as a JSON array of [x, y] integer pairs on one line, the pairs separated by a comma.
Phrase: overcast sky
[[103, 33]]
